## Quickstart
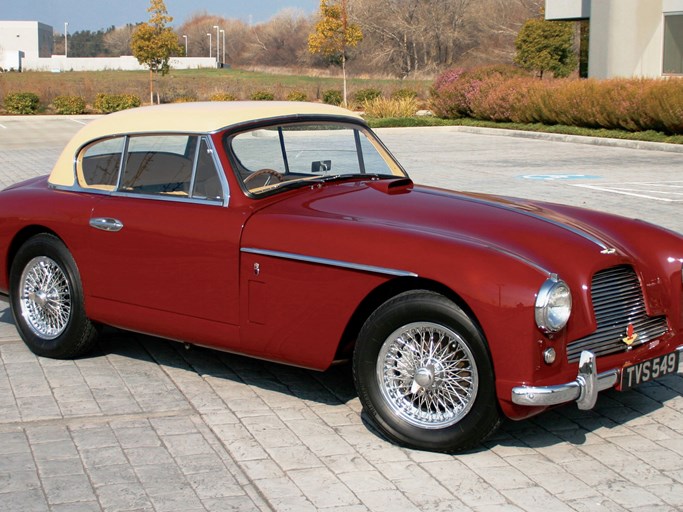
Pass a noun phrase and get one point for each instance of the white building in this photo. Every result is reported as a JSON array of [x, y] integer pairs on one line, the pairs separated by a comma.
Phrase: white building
[[27, 46], [628, 38], [21, 40]]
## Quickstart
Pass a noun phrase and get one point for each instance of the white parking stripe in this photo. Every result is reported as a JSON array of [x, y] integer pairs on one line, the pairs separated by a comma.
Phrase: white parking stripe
[[78, 121], [3, 126], [666, 191]]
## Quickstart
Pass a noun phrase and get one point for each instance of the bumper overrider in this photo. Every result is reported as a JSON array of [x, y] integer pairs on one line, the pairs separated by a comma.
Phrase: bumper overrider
[[584, 390]]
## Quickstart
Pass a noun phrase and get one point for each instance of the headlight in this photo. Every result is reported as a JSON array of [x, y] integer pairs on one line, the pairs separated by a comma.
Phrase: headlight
[[553, 305]]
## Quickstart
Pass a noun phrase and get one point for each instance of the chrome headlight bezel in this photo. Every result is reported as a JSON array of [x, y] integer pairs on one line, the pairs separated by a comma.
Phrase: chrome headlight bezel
[[553, 305]]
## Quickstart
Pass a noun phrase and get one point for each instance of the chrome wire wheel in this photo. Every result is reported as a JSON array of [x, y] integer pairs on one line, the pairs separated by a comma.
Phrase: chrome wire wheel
[[427, 374], [45, 297]]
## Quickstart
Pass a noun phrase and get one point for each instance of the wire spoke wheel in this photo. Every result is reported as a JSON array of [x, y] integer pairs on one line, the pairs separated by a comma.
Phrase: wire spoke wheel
[[45, 297], [427, 374]]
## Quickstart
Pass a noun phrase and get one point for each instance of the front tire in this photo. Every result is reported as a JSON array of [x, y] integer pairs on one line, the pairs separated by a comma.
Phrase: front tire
[[47, 300], [424, 376]]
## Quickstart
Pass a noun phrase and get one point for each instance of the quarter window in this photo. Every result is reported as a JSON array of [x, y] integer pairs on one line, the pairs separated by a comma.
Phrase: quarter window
[[99, 164]]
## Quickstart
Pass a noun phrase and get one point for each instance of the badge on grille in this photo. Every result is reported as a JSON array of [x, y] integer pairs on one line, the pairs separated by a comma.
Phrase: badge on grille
[[630, 335]]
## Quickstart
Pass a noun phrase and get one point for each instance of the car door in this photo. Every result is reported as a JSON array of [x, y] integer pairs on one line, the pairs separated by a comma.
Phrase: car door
[[164, 245]]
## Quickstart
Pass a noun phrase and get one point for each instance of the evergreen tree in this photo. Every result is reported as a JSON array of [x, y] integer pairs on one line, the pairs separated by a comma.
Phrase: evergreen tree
[[546, 46]]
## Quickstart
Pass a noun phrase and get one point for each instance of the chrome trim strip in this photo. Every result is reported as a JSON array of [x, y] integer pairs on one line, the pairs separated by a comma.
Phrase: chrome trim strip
[[331, 263]]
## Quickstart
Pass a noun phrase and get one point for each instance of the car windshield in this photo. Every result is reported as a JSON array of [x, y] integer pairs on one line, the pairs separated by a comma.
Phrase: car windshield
[[281, 156]]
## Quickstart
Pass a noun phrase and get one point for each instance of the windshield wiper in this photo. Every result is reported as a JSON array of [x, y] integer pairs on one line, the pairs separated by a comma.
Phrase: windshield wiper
[[344, 177]]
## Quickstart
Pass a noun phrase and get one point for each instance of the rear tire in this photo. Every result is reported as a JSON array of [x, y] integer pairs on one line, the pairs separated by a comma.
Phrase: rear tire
[[424, 375], [47, 300]]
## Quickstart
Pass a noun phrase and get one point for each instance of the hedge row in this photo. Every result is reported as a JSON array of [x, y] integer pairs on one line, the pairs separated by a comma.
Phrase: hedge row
[[29, 103], [503, 94]]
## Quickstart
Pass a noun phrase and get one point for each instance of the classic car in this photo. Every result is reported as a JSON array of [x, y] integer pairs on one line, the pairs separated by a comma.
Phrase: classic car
[[288, 232]]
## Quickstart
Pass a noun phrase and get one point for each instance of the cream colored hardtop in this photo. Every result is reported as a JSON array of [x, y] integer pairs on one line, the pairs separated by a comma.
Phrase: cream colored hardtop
[[204, 117]]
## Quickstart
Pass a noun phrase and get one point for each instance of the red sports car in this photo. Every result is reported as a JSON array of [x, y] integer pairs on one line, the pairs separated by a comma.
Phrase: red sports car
[[286, 231]]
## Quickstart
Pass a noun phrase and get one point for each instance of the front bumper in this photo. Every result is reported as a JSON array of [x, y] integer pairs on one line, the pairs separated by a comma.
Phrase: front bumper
[[584, 390]]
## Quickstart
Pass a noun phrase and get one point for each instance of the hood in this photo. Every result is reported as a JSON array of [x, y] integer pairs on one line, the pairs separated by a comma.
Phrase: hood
[[533, 232]]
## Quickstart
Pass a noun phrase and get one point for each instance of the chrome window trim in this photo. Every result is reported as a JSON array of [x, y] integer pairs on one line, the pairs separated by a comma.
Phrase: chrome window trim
[[330, 262], [117, 192]]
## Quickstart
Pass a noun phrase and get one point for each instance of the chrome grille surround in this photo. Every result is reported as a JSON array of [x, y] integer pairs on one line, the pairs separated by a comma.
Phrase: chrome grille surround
[[617, 301]]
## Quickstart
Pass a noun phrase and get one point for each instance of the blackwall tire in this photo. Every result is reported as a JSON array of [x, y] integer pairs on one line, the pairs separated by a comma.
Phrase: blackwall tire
[[47, 300], [424, 375]]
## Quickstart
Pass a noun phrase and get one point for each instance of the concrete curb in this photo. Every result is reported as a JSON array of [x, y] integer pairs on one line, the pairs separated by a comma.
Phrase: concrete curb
[[574, 139]]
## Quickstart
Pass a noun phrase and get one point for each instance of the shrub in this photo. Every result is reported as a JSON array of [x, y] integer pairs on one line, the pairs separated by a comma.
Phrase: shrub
[[616, 104], [21, 103], [400, 94], [297, 96], [454, 91], [333, 97], [107, 103], [369, 94], [500, 99], [68, 105], [222, 96], [262, 95], [184, 99], [386, 107]]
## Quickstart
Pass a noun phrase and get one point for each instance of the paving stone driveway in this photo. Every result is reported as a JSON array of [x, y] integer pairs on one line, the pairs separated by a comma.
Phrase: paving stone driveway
[[144, 424]]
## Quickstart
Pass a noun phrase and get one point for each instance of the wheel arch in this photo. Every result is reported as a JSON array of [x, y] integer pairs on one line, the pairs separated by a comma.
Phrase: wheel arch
[[20, 239], [386, 291]]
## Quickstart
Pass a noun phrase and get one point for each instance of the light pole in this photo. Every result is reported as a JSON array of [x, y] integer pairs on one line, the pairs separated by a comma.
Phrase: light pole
[[218, 45], [185, 37], [209, 34], [66, 46], [223, 44]]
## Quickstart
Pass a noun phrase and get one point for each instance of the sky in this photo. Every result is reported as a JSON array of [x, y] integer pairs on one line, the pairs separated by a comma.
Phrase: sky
[[101, 14]]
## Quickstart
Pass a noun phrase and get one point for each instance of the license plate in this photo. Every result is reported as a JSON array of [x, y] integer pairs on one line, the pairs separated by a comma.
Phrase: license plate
[[649, 370]]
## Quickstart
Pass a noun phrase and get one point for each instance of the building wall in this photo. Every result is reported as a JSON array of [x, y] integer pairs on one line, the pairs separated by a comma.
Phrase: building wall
[[626, 36], [27, 46], [58, 63], [32, 38]]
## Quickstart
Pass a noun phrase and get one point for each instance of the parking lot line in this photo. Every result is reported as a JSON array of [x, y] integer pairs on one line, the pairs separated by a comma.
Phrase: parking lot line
[[645, 190]]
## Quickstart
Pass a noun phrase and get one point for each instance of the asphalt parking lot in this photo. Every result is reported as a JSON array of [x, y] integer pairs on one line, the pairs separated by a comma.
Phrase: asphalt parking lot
[[145, 425]]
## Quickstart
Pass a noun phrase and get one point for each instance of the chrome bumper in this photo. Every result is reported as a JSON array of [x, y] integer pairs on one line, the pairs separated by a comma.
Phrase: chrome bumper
[[584, 390]]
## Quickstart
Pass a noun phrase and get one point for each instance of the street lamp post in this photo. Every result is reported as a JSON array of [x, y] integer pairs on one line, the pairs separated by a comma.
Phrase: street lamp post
[[223, 44], [185, 37], [218, 45], [66, 45], [209, 34]]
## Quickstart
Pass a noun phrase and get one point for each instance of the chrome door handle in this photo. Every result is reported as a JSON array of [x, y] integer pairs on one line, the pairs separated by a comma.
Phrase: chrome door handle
[[106, 224]]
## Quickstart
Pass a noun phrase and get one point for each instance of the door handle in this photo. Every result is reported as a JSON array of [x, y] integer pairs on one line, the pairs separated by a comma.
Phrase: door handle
[[106, 224]]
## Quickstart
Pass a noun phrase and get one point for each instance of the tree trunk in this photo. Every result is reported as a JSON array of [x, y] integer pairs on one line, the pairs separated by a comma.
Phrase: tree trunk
[[151, 87], [343, 59]]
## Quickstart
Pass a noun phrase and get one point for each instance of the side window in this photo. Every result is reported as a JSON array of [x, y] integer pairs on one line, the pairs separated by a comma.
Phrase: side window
[[207, 184], [99, 163], [159, 164]]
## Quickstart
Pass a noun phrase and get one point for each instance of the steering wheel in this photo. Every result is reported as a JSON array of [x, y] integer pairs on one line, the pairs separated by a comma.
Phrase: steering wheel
[[265, 172]]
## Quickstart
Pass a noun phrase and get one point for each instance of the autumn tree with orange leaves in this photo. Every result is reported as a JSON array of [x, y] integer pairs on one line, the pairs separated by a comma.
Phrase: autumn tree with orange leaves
[[153, 43], [334, 34]]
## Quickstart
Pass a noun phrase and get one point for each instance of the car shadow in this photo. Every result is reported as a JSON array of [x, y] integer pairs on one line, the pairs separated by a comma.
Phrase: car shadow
[[563, 424]]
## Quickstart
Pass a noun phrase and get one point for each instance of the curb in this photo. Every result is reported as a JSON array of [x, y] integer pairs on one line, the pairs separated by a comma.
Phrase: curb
[[574, 139]]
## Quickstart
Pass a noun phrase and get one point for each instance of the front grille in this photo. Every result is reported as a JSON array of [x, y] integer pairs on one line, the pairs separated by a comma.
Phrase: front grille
[[617, 301]]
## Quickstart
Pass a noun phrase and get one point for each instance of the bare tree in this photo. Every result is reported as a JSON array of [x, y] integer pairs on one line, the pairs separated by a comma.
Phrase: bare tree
[[117, 41], [281, 41], [406, 36]]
